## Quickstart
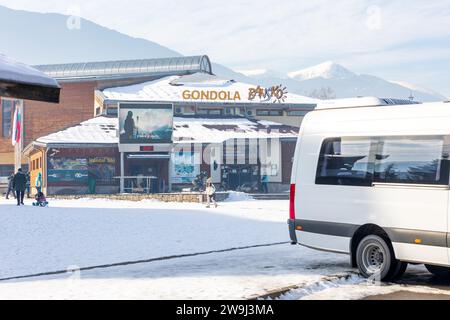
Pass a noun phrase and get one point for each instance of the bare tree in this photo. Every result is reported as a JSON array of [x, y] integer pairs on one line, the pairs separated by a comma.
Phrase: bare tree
[[324, 93]]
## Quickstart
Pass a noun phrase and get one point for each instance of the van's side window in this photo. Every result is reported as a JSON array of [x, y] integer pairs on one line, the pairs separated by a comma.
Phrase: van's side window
[[346, 161], [412, 160]]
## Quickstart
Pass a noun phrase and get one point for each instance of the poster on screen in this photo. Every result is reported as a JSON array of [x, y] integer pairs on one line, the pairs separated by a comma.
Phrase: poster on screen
[[185, 168], [145, 123]]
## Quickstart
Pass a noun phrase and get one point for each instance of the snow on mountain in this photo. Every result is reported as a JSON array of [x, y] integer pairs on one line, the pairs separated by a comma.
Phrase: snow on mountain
[[267, 73], [326, 70], [330, 80]]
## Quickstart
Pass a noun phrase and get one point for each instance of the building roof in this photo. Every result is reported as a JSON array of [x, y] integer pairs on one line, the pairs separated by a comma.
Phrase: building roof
[[17, 80], [100, 130], [172, 89], [103, 131], [201, 130], [128, 68]]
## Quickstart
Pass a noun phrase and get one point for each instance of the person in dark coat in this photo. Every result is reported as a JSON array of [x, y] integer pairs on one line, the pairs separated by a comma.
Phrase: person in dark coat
[[20, 185], [265, 183], [10, 186]]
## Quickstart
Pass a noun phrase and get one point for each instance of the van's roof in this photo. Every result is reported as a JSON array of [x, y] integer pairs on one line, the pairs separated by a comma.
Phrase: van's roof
[[362, 102], [427, 118]]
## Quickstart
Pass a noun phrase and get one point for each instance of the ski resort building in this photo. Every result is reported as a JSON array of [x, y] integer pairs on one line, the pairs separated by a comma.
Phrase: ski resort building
[[68, 143], [72, 158]]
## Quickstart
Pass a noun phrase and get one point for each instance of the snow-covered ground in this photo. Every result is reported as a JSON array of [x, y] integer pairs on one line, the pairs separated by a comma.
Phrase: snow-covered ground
[[86, 233]]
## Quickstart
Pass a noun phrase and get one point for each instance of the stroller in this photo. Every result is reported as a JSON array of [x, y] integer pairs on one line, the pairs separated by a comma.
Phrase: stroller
[[41, 201]]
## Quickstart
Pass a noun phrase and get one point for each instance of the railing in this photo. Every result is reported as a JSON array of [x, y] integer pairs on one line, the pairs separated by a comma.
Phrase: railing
[[138, 184]]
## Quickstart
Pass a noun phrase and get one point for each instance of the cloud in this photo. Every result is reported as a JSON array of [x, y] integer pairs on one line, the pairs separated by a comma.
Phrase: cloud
[[285, 35]]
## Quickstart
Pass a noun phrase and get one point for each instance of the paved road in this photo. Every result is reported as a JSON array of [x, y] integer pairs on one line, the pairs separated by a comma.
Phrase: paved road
[[405, 295], [417, 278]]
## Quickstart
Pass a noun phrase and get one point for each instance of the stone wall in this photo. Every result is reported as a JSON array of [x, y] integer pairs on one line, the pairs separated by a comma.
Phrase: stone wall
[[164, 197]]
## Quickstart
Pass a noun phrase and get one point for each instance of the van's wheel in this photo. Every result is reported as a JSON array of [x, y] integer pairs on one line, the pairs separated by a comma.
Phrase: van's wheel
[[441, 272], [375, 258], [400, 271]]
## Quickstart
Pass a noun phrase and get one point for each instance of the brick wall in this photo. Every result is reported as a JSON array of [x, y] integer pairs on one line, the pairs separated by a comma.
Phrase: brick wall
[[76, 105]]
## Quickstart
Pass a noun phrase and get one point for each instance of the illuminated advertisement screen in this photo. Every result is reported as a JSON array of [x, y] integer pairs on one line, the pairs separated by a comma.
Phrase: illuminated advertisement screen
[[145, 123]]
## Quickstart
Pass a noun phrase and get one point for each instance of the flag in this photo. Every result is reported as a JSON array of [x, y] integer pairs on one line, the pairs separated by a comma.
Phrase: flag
[[17, 130]]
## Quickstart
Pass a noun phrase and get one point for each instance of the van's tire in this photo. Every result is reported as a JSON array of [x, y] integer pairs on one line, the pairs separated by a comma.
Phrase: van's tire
[[441, 272], [401, 269], [375, 258]]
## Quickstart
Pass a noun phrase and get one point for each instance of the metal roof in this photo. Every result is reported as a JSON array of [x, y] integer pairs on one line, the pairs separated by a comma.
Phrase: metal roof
[[20, 81], [128, 68]]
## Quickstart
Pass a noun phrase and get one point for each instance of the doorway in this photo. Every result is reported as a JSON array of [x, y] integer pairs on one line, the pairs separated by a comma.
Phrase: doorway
[[147, 175], [244, 178]]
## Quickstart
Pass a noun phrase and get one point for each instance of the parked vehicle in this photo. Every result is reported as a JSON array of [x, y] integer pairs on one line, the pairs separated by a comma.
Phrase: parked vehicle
[[373, 182]]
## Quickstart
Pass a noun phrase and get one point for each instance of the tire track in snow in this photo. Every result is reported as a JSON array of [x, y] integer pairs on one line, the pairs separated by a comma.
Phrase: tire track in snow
[[128, 263], [300, 291]]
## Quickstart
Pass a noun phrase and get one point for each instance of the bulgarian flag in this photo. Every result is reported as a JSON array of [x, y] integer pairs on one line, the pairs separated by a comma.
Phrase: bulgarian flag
[[17, 127]]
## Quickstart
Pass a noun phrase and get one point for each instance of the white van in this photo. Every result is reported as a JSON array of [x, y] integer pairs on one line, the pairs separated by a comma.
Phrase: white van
[[373, 182]]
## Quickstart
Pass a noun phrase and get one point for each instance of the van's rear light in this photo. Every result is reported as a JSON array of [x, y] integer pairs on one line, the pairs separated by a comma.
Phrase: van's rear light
[[292, 203]]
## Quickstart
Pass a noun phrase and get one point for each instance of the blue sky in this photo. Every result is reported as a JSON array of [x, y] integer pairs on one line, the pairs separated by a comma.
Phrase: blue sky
[[396, 39]]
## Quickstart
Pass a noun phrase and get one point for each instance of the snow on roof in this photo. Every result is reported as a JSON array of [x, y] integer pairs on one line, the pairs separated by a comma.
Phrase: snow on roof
[[170, 89], [198, 130], [14, 71], [19, 81], [103, 130], [100, 130]]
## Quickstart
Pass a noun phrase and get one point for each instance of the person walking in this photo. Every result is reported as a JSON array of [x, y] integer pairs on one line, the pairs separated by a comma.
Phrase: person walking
[[28, 185], [92, 182], [265, 183], [10, 187], [210, 193], [20, 185], [38, 183]]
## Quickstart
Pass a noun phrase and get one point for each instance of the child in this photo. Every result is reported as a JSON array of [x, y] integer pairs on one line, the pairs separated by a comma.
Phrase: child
[[41, 201]]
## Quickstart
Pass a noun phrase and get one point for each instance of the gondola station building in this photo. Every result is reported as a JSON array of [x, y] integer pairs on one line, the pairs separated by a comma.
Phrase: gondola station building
[[156, 126]]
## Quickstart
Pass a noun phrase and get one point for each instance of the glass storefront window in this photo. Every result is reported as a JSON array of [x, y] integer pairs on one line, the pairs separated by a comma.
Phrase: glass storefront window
[[7, 110]]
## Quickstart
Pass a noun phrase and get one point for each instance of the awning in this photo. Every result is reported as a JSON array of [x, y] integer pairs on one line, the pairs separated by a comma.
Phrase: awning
[[17, 80]]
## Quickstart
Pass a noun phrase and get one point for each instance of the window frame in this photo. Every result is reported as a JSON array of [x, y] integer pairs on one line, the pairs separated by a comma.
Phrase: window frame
[[444, 175], [269, 113], [11, 116], [297, 113], [367, 182]]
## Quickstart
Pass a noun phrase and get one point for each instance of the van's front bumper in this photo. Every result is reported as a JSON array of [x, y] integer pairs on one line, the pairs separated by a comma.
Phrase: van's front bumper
[[293, 235]]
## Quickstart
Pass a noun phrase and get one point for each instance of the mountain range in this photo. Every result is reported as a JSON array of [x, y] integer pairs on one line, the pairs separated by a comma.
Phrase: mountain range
[[38, 38], [331, 80]]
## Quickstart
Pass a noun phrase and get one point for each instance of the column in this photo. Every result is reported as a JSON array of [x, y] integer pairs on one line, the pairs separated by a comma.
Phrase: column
[[122, 172]]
